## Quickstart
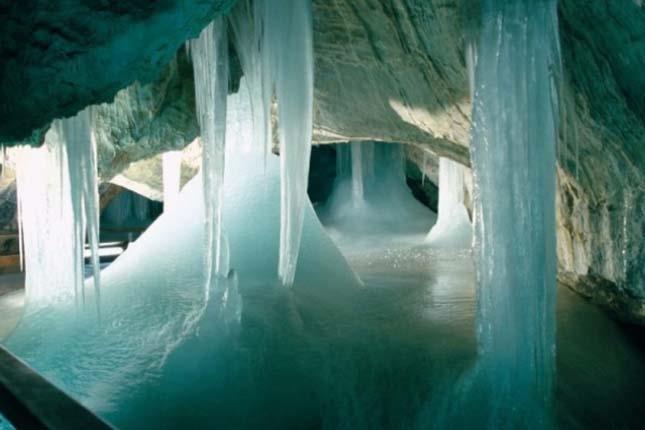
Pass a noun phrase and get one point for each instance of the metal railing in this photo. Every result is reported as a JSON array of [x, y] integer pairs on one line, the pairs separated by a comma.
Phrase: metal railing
[[29, 401]]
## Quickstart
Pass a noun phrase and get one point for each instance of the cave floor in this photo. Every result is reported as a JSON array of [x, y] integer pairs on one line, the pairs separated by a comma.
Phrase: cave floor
[[416, 329]]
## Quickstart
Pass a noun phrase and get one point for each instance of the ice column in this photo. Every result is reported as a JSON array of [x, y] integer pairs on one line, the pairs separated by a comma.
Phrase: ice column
[[358, 192], [58, 202], [171, 166], [453, 226], [513, 152], [210, 60]]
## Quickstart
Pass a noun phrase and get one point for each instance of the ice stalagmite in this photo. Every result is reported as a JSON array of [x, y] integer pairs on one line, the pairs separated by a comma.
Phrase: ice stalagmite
[[171, 162], [453, 228], [513, 151], [210, 60], [289, 45]]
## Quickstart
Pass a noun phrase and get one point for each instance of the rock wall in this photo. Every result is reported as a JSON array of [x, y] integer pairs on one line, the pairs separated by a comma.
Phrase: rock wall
[[60, 56]]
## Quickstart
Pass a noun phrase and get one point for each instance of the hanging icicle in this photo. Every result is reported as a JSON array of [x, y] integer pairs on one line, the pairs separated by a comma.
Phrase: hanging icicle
[[80, 147], [210, 60], [289, 47], [275, 45], [57, 197]]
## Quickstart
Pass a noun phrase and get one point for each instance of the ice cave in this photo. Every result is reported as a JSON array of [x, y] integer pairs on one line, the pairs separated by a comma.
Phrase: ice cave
[[314, 214]]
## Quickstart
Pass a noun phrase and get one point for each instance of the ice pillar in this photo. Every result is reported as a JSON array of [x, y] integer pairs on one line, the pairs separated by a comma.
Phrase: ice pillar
[[513, 153], [171, 167], [58, 203], [453, 228], [210, 61]]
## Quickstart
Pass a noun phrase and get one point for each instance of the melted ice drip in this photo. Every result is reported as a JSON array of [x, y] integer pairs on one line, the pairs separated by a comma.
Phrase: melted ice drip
[[210, 60], [58, 202], [513, 154], [275, 44], [453, 228], [171, 178]]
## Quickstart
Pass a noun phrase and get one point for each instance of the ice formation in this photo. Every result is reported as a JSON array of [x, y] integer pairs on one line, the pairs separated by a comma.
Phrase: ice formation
[[453, 228], [171, 167], [289, 45], [513, 150], [58, 204], [268, 34], [210, 59], [152, 317], [371, 202]]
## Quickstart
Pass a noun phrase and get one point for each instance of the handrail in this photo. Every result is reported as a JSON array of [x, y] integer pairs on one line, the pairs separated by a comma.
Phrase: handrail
[[29, 401]]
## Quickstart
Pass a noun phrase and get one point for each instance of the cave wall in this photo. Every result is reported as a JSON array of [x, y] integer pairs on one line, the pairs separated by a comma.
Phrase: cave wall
[[60, 56]]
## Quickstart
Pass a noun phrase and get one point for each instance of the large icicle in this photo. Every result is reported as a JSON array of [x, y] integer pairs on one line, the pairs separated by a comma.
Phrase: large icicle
[[513, 152], [210, 60], [58, 202], [76, 135], [171, 167], [453, 228], [289, 46], [275, 45]]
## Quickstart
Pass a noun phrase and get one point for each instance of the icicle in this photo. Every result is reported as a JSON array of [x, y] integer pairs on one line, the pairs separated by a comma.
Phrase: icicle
[[210, 59], [453, 228], [275, 45], [171, 161], [79, 150], [513, 153], [289, 46], [46, 221], [248, 25], [357, 173]]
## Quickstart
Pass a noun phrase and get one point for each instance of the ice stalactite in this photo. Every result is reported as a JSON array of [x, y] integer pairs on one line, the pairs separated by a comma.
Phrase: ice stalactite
[[275, 45], [453, 228], [357, 174], [58, 203], [248, 22], [210, 60], [171, 167], [80, 147], [289, 47], [513, 152]]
